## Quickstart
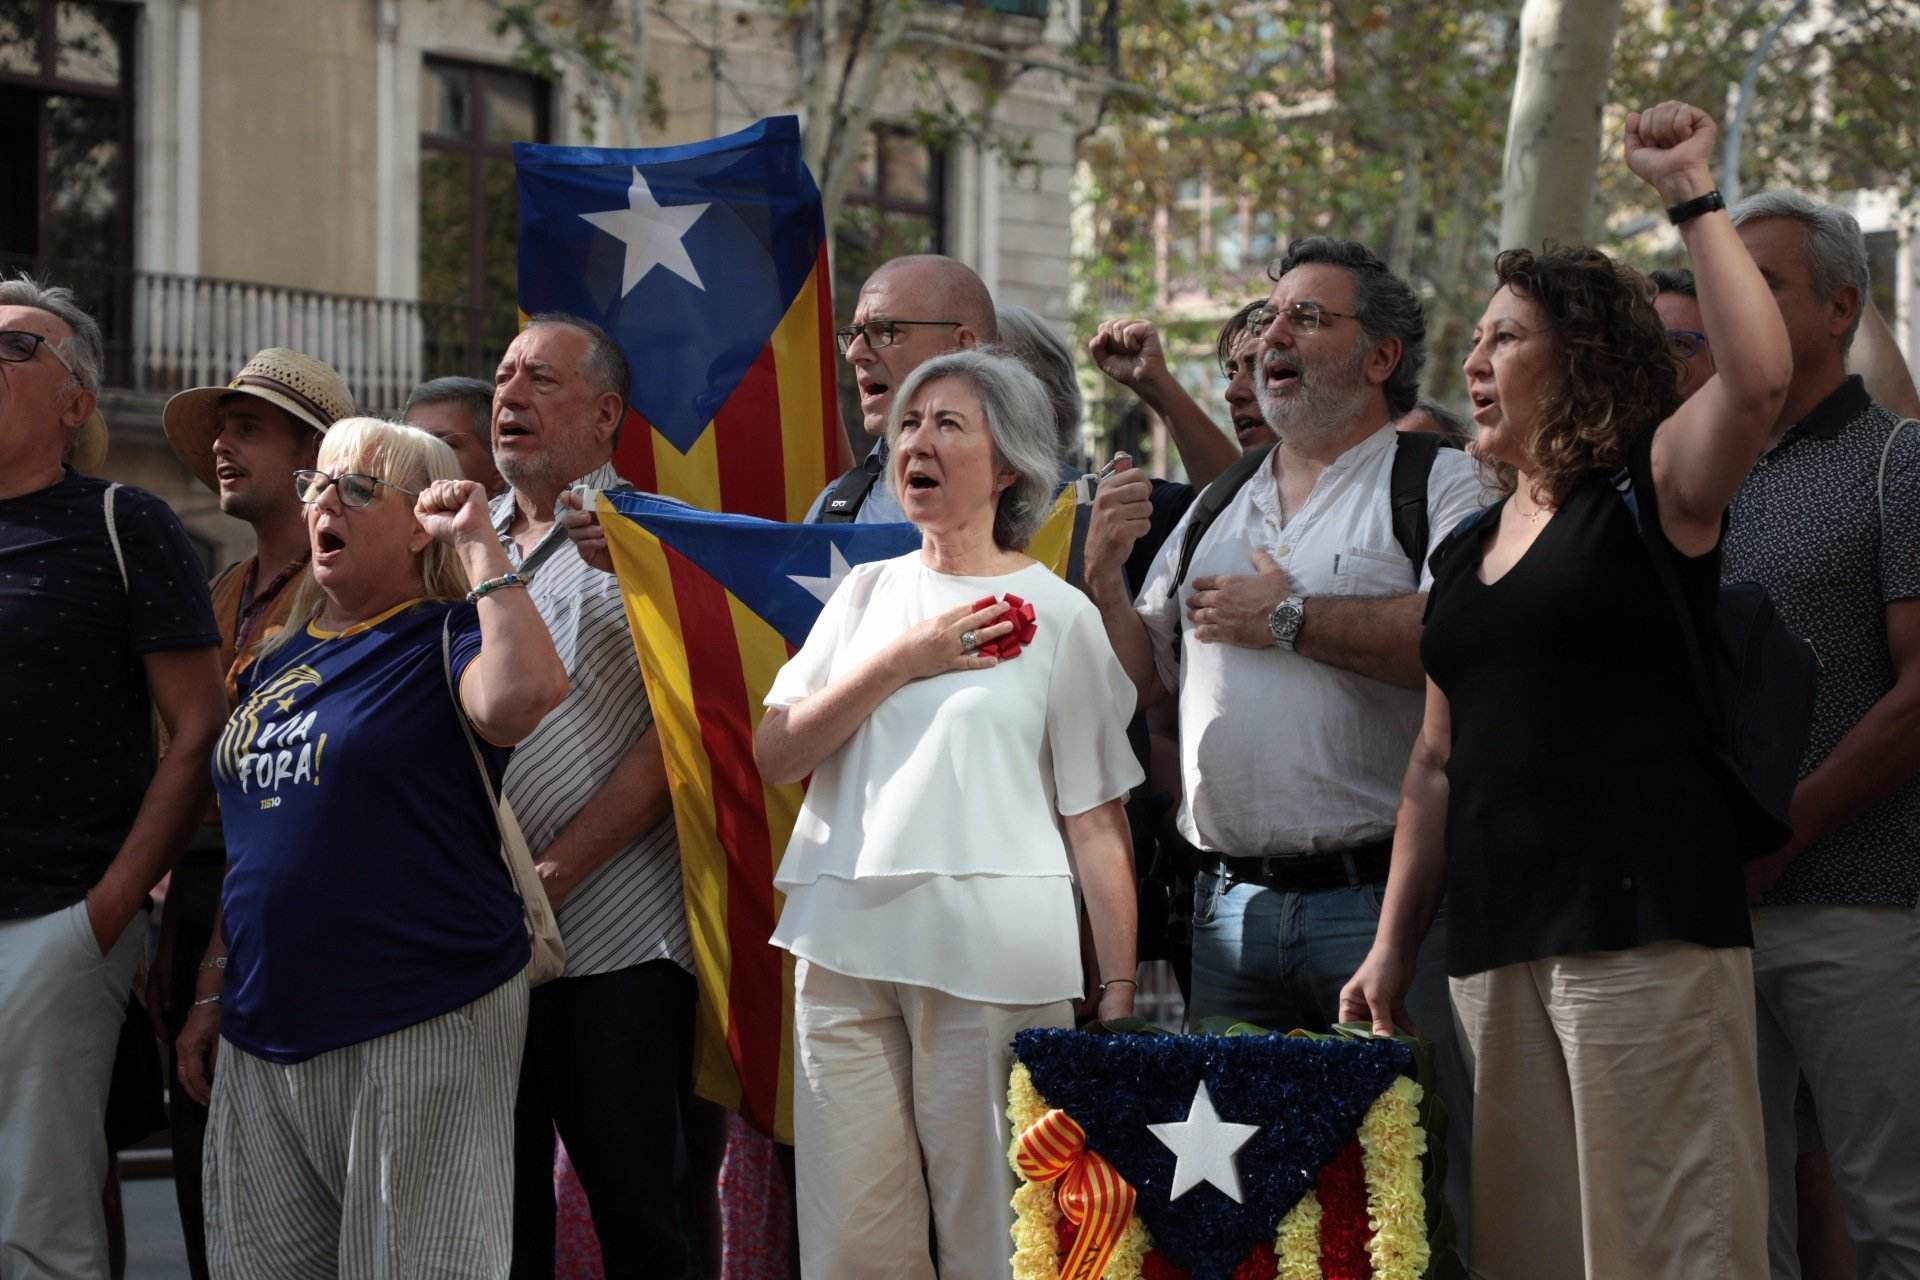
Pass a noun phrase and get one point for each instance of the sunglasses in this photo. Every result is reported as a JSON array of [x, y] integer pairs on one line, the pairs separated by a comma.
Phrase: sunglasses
[[356, 488], [18, 345]]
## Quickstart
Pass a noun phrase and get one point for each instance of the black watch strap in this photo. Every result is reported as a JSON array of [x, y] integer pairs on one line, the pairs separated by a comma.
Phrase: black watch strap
[[1687, 210]]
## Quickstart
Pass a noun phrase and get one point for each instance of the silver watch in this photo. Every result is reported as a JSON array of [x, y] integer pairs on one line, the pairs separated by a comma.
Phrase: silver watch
[[1285, 621]]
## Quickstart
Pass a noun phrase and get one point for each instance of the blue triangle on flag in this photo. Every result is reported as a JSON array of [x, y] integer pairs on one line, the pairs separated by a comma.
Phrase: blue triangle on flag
[[783, 572], [1307, 1095], [752, 248]]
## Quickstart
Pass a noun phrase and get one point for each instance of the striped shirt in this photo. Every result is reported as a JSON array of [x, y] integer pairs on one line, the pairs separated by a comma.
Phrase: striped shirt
[[629, 910]]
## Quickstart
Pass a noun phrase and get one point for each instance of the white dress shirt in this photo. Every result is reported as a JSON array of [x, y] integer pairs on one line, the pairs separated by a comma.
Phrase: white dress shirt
[[1280, 754]]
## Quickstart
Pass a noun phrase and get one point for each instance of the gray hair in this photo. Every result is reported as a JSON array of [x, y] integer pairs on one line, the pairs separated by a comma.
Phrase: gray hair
[[1020, 424], [606, 364], [475, 393], [1836, 252], [85, 350], [1038, 345], [1386, 307]]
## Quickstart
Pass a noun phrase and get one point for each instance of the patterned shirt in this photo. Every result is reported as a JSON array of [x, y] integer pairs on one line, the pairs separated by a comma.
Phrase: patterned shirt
[[1808, 525], [629, 910], [76, 718]]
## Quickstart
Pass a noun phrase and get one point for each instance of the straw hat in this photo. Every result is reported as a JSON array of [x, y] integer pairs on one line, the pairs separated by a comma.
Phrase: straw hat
[[308, 389]]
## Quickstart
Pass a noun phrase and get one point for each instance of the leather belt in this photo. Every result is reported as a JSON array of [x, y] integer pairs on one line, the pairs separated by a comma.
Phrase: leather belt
[[1363, 864]]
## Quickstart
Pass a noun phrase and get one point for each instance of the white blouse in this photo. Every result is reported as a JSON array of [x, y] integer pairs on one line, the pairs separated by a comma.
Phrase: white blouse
[[929, 848]]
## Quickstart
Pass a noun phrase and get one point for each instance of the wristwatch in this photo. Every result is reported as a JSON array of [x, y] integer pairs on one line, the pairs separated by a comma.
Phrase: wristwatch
[[1285, 621]]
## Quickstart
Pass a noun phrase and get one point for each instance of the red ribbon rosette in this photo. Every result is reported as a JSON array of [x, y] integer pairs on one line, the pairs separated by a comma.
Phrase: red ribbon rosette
[[1020, 614]]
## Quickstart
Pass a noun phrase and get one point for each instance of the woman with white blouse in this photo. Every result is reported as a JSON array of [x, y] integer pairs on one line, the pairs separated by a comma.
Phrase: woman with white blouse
[[969, 763]]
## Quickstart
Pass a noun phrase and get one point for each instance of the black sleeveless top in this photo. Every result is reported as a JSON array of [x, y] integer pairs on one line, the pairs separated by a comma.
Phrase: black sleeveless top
[[1585, 812]]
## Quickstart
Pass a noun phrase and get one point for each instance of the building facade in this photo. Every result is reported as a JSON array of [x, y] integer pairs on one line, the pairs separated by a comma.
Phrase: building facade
[[216, 176]]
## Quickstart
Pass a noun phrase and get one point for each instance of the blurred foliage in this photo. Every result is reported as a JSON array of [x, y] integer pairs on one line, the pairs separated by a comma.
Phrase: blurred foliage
[[1384, 121]]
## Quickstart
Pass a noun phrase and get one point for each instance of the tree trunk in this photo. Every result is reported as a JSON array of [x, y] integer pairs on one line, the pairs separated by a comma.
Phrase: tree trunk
[[1553, 132]]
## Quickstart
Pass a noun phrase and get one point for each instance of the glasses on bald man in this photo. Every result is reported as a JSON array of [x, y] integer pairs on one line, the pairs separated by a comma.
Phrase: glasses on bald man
[[881, 333]]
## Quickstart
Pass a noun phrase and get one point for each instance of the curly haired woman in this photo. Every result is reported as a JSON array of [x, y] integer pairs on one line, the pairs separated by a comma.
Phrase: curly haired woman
[[1563, 791]]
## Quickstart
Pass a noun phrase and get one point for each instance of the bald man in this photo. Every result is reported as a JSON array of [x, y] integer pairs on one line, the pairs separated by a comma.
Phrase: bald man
[[909, 311]]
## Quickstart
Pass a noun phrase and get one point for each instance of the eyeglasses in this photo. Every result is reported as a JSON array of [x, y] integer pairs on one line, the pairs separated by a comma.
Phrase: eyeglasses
[[881, 333], [1687, 343], [18, 345], [356, 488], [1302, 317]]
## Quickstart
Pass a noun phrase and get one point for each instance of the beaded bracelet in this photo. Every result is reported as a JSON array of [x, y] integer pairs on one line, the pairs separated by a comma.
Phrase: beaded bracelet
[[483, 589], [216, 962], [212, 999]]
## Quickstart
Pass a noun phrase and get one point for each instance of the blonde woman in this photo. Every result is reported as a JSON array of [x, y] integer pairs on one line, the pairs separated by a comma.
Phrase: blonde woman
[[366, 984]]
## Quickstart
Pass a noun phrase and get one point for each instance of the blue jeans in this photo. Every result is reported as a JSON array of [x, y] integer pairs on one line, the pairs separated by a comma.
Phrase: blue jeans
[[1278, 959]]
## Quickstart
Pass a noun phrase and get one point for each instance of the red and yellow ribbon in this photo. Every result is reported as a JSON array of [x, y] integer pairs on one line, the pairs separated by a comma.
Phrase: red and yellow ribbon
[[1091, 1192]]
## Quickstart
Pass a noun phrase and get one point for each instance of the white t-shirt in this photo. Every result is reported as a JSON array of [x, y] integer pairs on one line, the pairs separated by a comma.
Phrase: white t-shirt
[[1280, 754], [929, 848]]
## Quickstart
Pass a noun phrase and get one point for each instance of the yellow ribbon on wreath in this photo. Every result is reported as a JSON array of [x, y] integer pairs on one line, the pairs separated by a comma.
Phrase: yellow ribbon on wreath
[[1091, 1193]]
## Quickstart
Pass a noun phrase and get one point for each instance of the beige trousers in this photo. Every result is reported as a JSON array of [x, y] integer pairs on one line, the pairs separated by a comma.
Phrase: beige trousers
[[1840, 1003], [889, 1076], [1616, 1117]]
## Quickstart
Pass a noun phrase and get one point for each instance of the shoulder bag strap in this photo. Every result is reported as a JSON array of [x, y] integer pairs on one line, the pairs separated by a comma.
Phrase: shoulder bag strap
[[113, 536], [1645, 522], [460, 714], [1880, 482]]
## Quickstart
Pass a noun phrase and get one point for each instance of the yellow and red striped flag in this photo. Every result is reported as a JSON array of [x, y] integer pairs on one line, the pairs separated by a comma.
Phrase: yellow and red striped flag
[[718, 603]]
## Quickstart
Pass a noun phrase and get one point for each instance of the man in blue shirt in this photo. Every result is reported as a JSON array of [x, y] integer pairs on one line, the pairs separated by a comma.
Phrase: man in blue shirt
[[104, 617]]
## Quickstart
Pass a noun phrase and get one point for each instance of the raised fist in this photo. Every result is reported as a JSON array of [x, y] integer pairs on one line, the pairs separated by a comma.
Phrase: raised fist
[[1129, 352], [1670, 147]]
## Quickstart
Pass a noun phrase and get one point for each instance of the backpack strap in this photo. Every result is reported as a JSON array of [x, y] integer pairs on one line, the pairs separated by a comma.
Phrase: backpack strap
[[1211, 502], [849, 493], [113, 536], [1413, 455], [1886, 451]]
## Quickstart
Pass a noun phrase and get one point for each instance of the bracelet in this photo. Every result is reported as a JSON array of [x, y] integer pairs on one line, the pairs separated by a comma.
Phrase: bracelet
[[212, 999], [1687, 210], [483, 589], [1115, 982], [217, 962]]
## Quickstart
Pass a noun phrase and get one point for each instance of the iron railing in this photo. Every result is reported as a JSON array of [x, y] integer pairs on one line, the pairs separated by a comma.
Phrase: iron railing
[[166, 332]]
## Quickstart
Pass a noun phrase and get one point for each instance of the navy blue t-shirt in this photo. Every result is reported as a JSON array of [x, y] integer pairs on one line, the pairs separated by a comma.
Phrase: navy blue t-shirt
[[76, 720], [364, 890]]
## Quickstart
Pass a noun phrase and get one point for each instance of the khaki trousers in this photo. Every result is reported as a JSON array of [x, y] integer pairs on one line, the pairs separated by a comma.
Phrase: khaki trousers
[[1616, 1125], [61, 1006], [885, 1075], [1839, 995]]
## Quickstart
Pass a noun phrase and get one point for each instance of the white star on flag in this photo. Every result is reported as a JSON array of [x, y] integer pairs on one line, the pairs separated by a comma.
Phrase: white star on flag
[[822, 588], [652, 233], [1205, 1146]]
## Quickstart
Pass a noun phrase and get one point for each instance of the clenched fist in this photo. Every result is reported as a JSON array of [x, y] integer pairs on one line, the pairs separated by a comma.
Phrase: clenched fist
[[1670, 147]]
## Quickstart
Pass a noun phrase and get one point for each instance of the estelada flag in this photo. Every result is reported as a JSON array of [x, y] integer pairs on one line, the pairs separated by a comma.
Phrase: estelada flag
[[717, 604], [708, 265]]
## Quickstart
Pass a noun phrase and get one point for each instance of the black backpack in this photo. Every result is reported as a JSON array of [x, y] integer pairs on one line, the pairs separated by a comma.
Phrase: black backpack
[[1755, 682], [1413, 455]]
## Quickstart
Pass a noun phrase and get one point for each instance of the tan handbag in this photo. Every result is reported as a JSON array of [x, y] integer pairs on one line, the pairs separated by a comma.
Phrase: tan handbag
[[549, 959]]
